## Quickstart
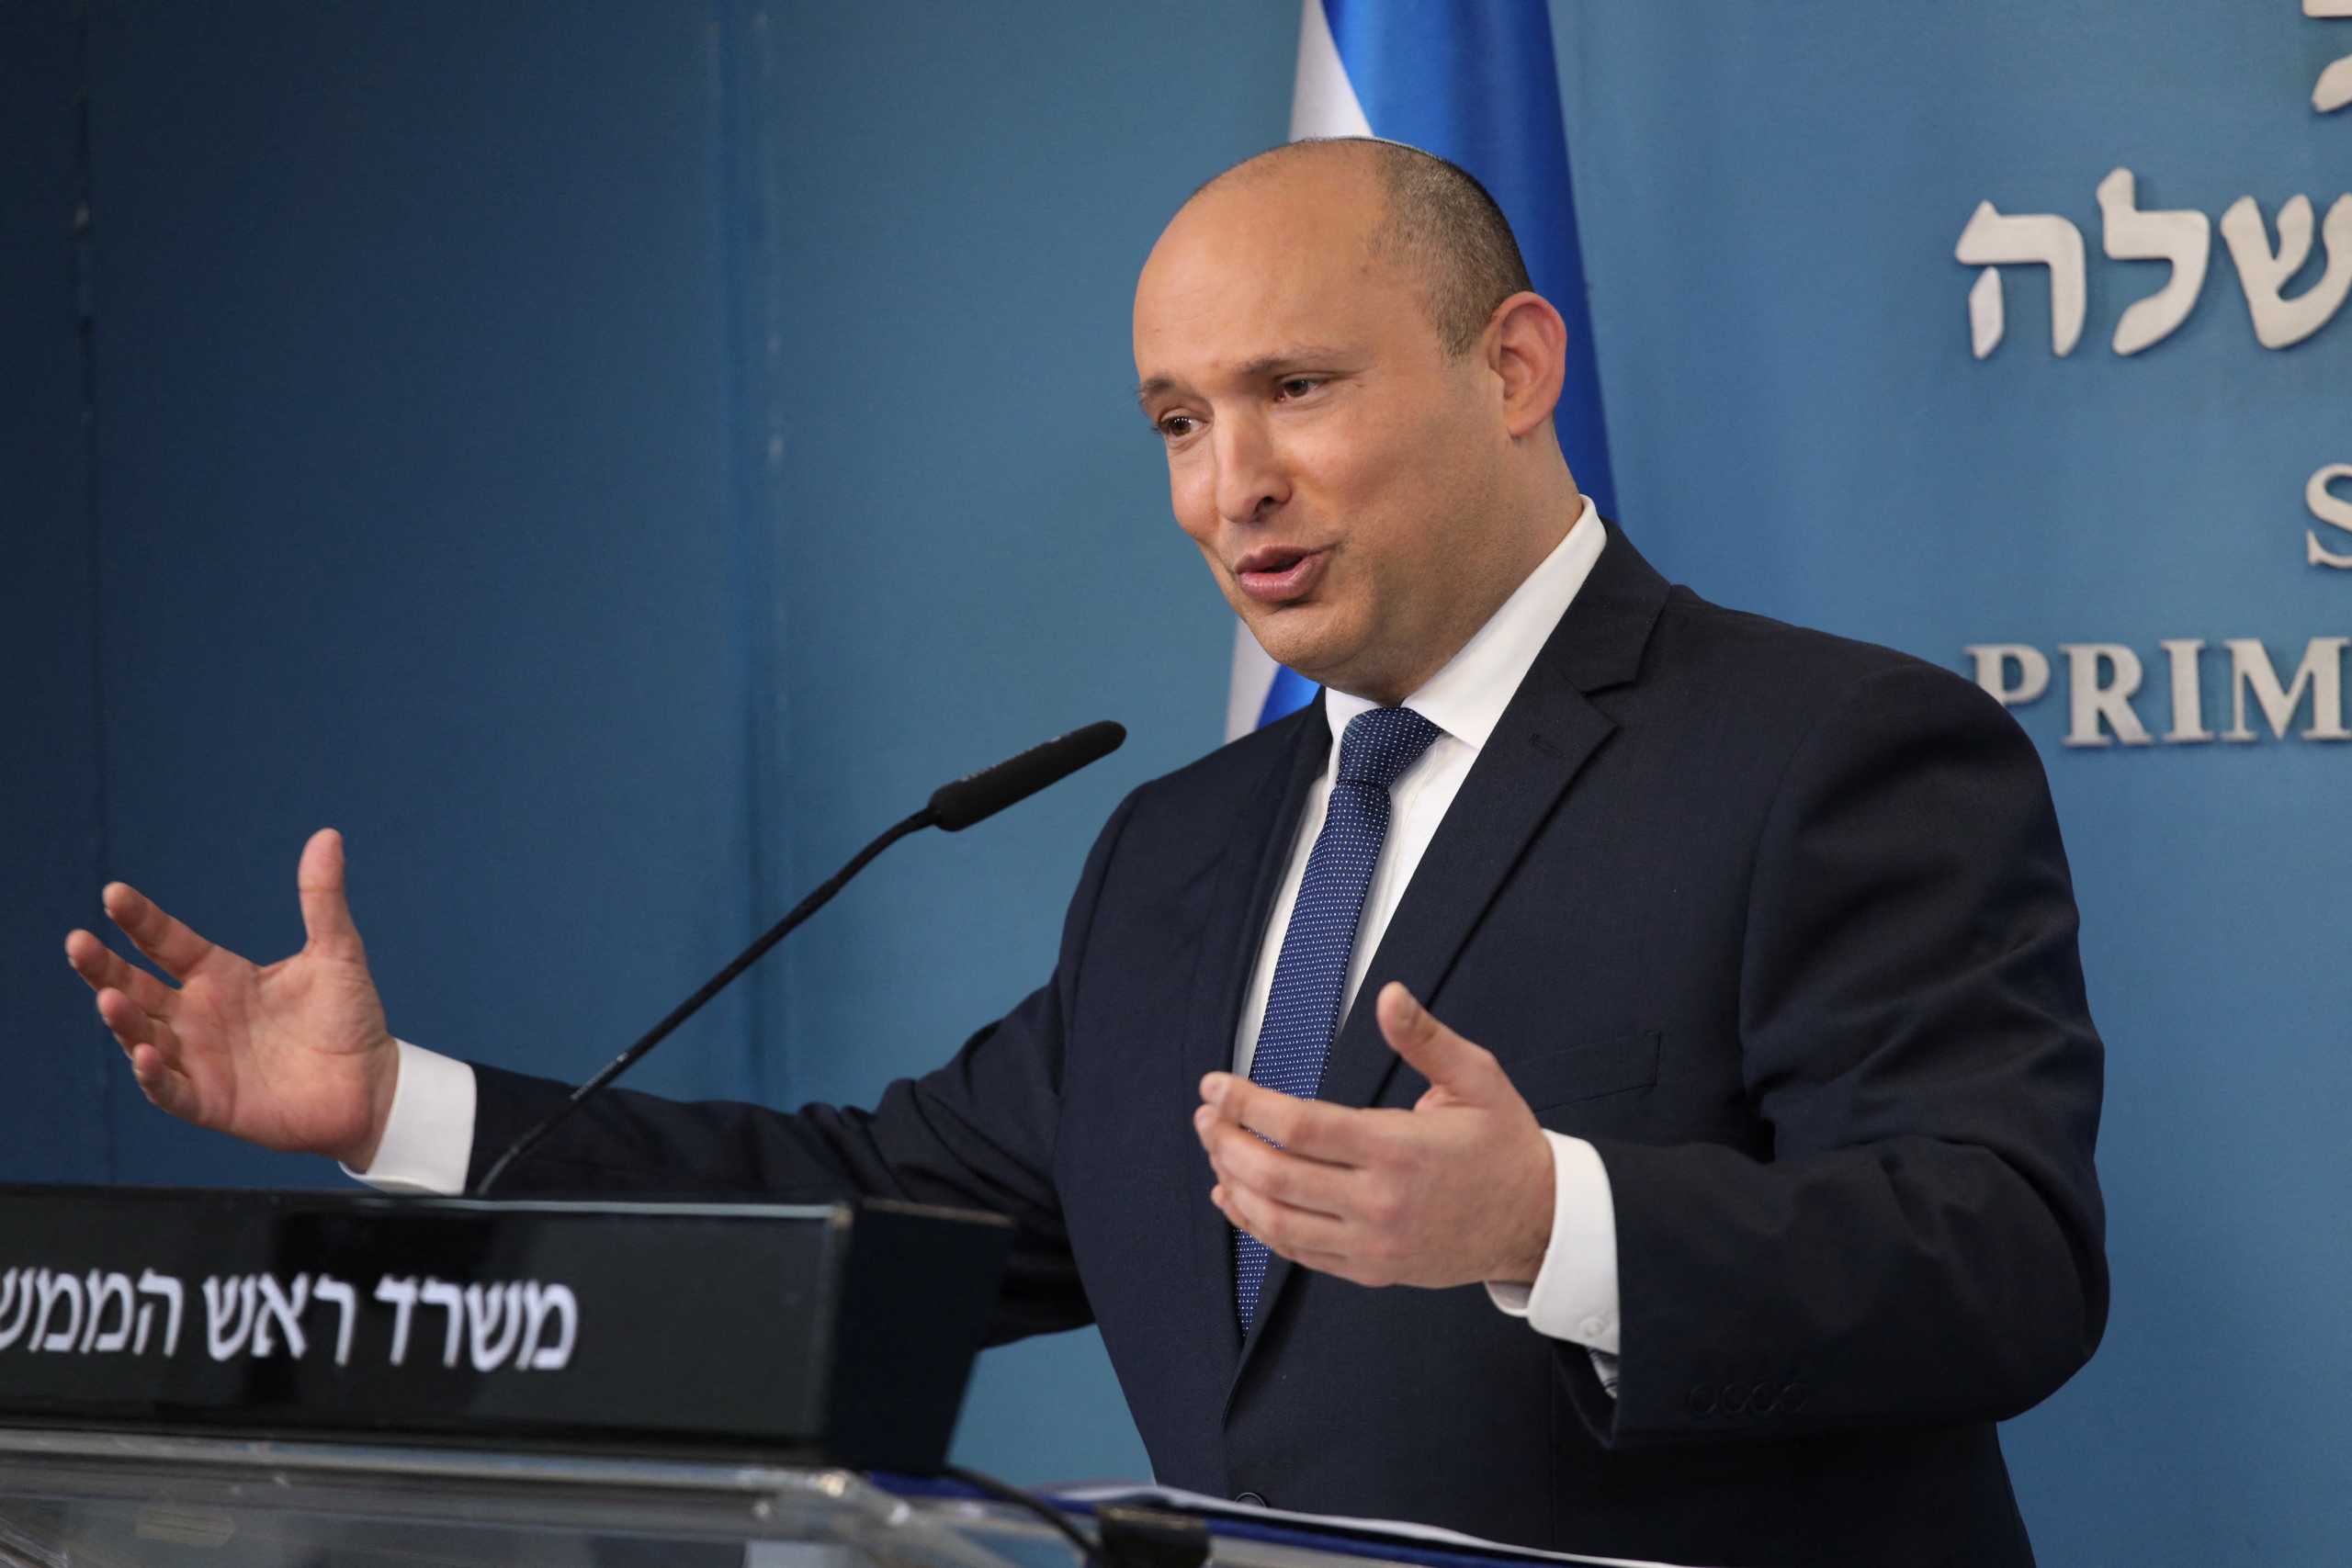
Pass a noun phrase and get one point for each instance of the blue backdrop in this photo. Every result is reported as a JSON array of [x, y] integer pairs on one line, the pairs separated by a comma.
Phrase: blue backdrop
[[610, 459]]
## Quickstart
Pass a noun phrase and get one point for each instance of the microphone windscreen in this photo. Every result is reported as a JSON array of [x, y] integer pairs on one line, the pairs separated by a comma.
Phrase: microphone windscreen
[[976, 796]]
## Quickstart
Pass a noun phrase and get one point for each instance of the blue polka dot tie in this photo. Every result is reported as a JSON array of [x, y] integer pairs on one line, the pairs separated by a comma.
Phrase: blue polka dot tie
[[1311, 975]]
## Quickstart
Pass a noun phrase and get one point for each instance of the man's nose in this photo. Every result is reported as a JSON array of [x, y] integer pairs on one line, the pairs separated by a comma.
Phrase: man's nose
[[1250, 480]]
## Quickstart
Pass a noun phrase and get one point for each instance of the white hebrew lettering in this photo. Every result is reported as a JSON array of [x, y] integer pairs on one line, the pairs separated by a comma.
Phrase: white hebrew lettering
[[13, 1328], [229, 1312], [402, 1294], [2184, 239], [540, 1300], [2334, 89], [2321, 672], [2092, 703], [285, 1311], [2280, 323], [104, 1289], [447, 1296], [2331, 509], [153, 1284], [37, 1291], [53, 1286], [1992, 659], [339, 1292], [2044, 239], [494, 1318], [528, 1326], [1988, 313]]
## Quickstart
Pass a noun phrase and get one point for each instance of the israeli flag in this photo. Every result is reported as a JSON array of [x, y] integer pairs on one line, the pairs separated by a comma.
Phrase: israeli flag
[[1475, 83]]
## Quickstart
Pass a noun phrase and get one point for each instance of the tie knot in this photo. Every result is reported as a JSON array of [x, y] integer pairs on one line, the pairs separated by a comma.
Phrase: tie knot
[[1381, 743]]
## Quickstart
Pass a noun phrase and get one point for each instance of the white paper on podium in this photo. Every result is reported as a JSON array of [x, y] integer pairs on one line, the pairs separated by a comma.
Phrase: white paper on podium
[[1403, 1530]]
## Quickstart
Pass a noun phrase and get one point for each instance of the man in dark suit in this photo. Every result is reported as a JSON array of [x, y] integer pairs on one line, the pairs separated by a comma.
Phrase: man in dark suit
[[1764, 1091]]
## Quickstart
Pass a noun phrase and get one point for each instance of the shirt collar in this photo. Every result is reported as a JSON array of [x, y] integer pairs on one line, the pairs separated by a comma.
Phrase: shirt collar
[[1467, 698]]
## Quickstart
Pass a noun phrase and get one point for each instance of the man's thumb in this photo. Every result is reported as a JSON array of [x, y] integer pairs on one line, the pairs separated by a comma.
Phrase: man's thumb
[[326, 912], [1437, 1053]]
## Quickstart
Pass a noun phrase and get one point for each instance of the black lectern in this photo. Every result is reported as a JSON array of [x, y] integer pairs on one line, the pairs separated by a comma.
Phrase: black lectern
[[840, 1334]]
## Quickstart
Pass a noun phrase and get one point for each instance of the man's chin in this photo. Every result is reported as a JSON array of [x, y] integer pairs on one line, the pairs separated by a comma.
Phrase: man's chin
[[1308, 656], [1325, 661]]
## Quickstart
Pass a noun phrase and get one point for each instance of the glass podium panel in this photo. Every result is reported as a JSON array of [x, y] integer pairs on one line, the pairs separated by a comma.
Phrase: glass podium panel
[[109, 1500], [115, 1499]]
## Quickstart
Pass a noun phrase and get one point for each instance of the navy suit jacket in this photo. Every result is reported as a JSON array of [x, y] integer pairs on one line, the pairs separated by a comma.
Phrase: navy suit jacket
[[1780, 922]]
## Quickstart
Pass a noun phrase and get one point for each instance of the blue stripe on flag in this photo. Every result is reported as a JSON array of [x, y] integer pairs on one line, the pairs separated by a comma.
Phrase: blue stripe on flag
[[1290, 692], [1475, 81]]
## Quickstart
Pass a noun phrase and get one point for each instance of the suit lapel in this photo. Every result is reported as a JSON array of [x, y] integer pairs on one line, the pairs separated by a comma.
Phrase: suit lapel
[[1258, 851], [1544, 738]]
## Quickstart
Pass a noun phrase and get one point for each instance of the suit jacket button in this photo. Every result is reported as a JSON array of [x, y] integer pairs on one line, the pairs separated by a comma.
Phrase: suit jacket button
[[1792, 1396], [1734, 1397], [1702, 1399], [1252, 1498], [1763, 1398]]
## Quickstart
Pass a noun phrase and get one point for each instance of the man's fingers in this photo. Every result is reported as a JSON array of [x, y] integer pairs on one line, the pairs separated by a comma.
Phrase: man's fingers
[[1431, 1049], [326, 911], [131, 1024], [161, 1083], [1242, 1157], [1339, 1134], [1296, 1234], [101, 967], [176, 949]]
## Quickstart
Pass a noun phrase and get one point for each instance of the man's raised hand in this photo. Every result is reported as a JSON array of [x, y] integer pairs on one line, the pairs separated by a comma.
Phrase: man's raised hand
[[291, 1055], [1456, 1191]]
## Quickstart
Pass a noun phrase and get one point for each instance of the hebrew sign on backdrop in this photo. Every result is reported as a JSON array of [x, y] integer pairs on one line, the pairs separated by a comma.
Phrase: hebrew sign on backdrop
[[2105, 680]]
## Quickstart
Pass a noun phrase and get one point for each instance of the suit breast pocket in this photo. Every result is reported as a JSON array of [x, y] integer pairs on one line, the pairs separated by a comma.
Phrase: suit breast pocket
[[1586, 1072]]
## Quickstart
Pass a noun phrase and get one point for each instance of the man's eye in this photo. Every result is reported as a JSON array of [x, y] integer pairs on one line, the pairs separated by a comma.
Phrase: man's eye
[[1298, 386], [1176, 426]]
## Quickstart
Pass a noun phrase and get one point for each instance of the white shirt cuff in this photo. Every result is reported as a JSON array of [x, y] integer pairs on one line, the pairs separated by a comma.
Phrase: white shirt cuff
[[1575, 1293], [429, 1136]]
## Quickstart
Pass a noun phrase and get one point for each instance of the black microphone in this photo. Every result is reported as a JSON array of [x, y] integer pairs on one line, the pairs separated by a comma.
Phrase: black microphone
[[953, 807], [974, 798]]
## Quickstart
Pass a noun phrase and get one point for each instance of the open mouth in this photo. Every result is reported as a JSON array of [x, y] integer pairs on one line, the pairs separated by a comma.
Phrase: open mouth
[[1275, 574]]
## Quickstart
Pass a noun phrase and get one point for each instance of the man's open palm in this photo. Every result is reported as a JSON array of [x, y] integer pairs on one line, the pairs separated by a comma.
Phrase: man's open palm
[[1456, 1191], [291, 1055]]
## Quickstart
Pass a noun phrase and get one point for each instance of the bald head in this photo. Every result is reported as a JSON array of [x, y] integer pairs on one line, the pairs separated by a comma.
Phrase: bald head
[[1434, 222]]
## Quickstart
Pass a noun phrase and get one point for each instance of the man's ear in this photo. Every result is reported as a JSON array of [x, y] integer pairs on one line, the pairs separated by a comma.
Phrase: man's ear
[[1527, 348]]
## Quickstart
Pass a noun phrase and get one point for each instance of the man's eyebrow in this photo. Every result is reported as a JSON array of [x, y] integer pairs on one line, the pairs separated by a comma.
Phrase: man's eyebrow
[[1304, 356], [1307, 357]]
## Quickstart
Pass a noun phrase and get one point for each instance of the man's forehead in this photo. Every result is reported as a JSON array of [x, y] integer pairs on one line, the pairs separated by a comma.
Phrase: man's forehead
[[1231, 289], [1249, 323]]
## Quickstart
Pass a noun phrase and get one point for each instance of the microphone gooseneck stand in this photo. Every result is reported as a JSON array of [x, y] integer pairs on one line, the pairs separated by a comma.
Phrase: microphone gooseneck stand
[[953, 807], [692, 1005]]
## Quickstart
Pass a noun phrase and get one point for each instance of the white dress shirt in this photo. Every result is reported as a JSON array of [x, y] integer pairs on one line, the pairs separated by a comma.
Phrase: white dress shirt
[[429, 1134]]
